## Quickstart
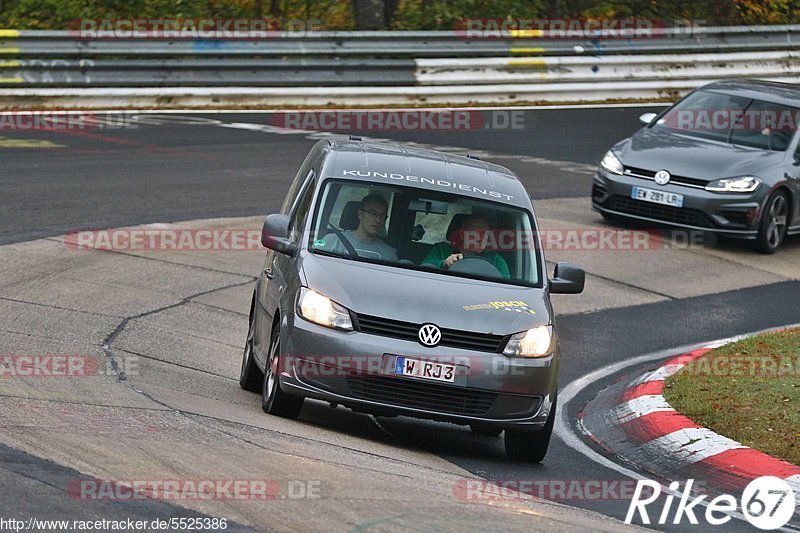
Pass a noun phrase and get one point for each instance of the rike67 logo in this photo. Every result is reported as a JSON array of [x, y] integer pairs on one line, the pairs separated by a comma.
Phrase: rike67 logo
[[767, 503]]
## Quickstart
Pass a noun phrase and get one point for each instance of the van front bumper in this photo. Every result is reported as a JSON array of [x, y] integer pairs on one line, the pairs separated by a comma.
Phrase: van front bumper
[[357, 370]]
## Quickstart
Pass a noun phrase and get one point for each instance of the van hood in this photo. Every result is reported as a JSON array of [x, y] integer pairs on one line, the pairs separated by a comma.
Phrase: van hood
[[419, 297], [693, 157]]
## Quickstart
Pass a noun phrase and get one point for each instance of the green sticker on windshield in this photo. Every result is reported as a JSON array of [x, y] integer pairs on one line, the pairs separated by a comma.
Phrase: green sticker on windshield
[[319, 243]]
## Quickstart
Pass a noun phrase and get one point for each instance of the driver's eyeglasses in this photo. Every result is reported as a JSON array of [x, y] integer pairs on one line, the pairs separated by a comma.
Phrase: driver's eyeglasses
[[376, 214]]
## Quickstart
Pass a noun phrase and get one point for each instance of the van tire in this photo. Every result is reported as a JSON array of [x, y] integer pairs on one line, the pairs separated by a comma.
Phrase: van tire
[[530, 446]]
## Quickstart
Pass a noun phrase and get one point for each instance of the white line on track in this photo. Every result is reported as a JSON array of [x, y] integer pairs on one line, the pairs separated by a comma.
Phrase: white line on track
[[348, 109], [153, 118]]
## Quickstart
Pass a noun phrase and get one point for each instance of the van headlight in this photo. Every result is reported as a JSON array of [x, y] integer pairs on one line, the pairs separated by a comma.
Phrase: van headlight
[[536, 342], [611, 163], [321, 310], [740, 184]]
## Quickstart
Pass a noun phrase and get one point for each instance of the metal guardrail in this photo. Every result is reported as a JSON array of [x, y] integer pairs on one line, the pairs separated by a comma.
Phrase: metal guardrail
[[413, 44], [607, 68], [394, 67], [206, 72]]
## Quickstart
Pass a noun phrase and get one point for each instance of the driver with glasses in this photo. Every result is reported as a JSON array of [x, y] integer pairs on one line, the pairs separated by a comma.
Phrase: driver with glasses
[[444, 254], [365, 240]]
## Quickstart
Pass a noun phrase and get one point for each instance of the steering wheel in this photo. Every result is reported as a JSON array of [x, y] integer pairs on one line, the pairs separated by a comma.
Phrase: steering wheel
[[476, 264], [351, 251]]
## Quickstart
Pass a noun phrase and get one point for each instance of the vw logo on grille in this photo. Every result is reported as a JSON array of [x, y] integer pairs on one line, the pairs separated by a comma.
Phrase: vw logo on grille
[[662, 177], [430, 335]]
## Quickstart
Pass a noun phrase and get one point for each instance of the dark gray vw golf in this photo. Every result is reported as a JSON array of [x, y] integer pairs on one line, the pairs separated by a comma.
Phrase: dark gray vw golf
[[724, 159], [402, 281]]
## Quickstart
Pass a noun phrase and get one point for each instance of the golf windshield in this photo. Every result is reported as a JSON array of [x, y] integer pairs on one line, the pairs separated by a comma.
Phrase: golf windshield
[[418, 229], [732, 119]]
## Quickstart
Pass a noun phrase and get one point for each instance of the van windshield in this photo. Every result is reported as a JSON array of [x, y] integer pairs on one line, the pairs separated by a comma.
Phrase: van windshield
[[414, 228]]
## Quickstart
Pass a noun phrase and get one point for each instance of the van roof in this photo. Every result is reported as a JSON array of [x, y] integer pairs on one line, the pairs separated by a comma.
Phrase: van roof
[[387, 162]]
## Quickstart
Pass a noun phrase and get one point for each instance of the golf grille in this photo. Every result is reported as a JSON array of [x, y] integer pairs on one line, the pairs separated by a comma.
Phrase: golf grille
[[678, 215], [676, 180]]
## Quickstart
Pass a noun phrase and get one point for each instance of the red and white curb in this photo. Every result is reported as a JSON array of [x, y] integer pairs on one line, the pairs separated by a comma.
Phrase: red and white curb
[[635, 422]]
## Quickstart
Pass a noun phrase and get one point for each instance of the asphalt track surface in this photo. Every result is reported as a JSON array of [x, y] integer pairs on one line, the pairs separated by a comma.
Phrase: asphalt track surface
[[169, 171], [113, 177]]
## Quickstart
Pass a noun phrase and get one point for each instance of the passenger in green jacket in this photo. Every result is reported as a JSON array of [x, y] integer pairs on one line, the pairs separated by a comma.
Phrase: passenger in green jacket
[[444, 255]]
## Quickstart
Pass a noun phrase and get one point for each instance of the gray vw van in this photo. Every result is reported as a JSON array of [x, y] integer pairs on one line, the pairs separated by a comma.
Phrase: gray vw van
[[403, 281]]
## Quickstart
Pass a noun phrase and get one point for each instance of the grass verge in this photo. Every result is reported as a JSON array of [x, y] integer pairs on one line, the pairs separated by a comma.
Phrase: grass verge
[[748, 391]]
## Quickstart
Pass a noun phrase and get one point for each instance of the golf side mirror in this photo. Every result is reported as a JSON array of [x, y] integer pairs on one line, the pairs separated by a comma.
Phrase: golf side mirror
[[567, 279], [275, 234], [647, 118]]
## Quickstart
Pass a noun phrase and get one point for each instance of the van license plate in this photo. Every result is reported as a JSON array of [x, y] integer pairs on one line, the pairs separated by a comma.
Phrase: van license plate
[[405, 366]]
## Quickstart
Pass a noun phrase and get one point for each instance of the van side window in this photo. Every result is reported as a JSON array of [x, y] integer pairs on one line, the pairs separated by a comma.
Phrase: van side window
[[300, 179], [301, 207]]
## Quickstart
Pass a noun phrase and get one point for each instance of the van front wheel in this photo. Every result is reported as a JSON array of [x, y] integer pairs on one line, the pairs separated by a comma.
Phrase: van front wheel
[[529, 446], [250, 377], [274, 400]]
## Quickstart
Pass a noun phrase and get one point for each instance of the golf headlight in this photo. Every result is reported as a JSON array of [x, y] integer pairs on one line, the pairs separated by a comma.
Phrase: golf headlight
[[611, 163], [536, 342], [321, 310], [741, 184]]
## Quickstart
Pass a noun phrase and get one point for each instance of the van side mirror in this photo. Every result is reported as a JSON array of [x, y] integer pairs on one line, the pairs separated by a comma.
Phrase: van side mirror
[[567, 279], [275, 234], [647, 118]]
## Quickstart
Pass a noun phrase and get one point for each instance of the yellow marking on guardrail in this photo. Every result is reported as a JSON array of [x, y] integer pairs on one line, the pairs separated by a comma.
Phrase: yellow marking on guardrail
[[10, 64], [525, 34], [532, 62], [9, 50], [12, 80], [28, 143], [9, 34], [524, 50]]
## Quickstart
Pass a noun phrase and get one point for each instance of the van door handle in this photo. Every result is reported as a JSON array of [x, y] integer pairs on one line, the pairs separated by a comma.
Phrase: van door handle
[[268, 272]]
